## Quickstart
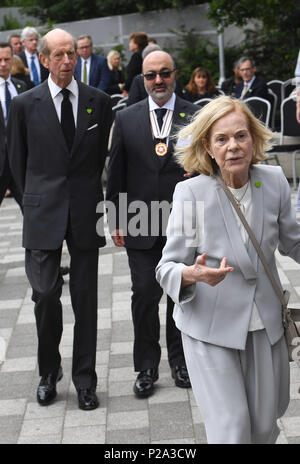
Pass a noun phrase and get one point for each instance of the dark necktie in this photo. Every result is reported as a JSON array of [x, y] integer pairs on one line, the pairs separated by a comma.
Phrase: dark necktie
[[7, 98], [67, 118], [34, 71], [160, 112]]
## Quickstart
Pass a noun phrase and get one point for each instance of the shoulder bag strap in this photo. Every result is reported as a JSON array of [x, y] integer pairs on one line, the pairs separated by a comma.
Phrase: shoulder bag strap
[[256, 245]]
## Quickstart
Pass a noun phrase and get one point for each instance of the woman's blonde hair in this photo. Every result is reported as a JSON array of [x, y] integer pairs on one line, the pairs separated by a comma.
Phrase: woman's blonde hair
[[18, 66], [191, 152], [110, 56]]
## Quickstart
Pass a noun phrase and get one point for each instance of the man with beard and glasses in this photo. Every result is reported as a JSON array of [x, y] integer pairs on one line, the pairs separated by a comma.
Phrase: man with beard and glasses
[[142, 167]]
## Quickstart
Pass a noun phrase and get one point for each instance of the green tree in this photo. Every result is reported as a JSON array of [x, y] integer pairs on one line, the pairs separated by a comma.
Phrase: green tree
[[275, 42], [66, 10]]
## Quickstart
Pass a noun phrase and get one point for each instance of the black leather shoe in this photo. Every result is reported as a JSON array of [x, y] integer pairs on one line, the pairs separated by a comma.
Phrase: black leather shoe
[[46, 391], [87, 399], [181, 377], [144, 384]]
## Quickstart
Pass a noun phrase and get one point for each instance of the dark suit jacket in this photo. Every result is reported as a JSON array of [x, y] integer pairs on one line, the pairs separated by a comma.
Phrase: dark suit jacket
[[44, 71], [258, 89], [134, 167], [21, 87], [58, 186], [99, 76], [133, 68]]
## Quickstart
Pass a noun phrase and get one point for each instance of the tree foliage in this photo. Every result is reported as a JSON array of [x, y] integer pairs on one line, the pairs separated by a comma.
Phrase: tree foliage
[[75, 10], [275, 42]]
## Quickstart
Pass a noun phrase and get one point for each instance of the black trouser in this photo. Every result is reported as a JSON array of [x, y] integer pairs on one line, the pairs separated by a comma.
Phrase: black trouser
[[43, 272], [7, 182], [145, 306]]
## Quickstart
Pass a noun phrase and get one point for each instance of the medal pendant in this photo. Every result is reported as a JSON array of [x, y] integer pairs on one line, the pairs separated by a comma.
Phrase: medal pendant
[[161, 149]]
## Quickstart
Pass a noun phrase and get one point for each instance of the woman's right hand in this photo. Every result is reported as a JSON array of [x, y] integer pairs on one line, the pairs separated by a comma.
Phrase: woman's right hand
[[200, 272]]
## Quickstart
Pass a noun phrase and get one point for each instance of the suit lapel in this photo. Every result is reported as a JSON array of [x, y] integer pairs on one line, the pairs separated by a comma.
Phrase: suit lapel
[[257, 212], [239, 250], [47, 113], [85, 112], [145, 133]]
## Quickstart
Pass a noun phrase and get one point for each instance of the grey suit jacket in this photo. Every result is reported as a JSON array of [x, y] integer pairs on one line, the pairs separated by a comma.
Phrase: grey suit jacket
[[220, 315]]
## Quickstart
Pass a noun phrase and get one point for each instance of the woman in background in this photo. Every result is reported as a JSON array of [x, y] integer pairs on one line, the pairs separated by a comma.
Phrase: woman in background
[[201, 85], [117, 76]]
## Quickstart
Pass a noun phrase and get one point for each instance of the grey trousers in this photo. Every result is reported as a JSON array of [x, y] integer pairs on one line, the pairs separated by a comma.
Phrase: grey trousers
[[240, 394]]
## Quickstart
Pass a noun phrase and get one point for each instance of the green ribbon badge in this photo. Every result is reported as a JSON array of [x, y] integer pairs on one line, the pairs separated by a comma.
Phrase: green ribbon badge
[[257, 184], [19, 86], [182, 115], [89, 110]]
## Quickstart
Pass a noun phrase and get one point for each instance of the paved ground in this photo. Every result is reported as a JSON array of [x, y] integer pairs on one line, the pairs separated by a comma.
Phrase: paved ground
[[168, 417]]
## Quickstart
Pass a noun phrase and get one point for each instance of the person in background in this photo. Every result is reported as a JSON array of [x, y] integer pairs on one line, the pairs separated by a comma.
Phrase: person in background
[[229, 315], [15, 41], [137, 89], [228, 86], [91, 69], [297, 79], [201, 85], [251, 85], [10, 87], [117, 81], [142, 166], [19, 71], [30, 57], [138, 41]]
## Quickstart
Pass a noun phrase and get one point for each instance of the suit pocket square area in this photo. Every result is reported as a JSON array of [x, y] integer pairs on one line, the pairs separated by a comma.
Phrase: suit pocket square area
[[92, 127]]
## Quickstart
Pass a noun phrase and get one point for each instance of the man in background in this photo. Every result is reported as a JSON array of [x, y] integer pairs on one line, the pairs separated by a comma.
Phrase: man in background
[[91, 69], [15, 41], [29, 56], [143, 167], [10, 87], [251, 85]]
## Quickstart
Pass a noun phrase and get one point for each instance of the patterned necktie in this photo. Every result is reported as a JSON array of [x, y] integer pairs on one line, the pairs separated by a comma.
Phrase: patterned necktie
[[245, 90], [85, 80], [67, 119], [34, 71], [7, 98], [160, 112]]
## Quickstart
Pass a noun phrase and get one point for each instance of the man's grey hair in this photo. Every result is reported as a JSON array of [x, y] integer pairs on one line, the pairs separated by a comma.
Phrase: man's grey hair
[[85, 36], [150, 48], [27, 31], [246, 58]]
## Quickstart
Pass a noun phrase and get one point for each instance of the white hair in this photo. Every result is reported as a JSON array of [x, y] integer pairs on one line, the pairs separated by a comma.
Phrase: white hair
[[27, 31]]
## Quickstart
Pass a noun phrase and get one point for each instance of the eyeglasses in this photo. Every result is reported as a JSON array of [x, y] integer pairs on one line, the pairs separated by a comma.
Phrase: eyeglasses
[[162, 74]]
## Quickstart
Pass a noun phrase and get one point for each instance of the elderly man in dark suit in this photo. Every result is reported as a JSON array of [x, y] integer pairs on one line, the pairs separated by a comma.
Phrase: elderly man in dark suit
[[9, 88], [142, 167], [29, 56], [57, 138], [91, 69], [251, 85]]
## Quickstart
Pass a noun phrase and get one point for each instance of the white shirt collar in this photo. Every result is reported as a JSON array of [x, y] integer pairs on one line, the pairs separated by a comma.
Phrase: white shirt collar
[[86, 59], [250, 82], [169, 105], [2, 81], [55, 89]]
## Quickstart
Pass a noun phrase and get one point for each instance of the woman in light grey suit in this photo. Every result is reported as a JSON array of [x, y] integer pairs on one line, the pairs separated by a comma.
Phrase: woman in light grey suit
[[225, 306]]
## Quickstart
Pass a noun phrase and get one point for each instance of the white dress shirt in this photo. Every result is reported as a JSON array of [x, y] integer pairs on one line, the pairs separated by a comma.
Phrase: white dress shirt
[[57, 97], [13, 93], [255, 320], [169, 105], [36, 62]]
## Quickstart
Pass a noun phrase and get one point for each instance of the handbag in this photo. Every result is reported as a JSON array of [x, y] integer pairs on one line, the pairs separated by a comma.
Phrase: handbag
[[290, 316]]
